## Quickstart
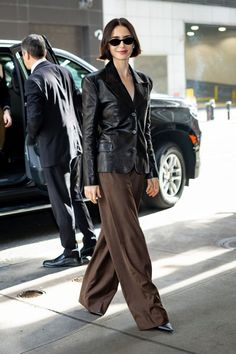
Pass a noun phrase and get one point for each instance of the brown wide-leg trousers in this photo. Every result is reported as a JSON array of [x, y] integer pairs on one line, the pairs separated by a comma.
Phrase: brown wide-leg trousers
[[121, 254]]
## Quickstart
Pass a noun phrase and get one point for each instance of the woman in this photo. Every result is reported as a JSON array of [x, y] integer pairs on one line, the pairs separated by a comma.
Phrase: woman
[[5, 103], [118, 155], [5, 114]]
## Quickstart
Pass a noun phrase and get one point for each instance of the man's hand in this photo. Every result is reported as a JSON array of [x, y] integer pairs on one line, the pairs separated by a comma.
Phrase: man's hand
[[92, 193], [7, 118], [152, 187]]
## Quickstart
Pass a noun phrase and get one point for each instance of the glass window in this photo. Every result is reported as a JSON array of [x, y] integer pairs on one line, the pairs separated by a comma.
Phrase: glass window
[[7, 69], [78, 71]]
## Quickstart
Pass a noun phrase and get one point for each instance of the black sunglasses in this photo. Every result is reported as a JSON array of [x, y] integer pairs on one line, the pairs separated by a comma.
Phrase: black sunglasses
[[116, 41]]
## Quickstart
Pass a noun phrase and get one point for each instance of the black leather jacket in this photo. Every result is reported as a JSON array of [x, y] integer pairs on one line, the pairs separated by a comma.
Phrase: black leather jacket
[[116, 130]]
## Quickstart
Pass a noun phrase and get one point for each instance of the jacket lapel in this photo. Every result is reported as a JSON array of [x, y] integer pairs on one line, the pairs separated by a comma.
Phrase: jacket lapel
[[113, 81], [141, 88]]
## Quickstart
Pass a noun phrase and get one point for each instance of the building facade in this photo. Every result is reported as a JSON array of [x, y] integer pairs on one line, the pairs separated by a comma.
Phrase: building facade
[[201, 64], [72, 24]]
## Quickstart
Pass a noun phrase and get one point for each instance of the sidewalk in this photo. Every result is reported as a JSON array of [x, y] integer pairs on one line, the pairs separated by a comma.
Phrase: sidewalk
[[192, 247], [196, 278]]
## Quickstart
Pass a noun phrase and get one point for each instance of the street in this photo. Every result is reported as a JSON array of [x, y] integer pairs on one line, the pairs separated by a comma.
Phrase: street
[[192, 247]]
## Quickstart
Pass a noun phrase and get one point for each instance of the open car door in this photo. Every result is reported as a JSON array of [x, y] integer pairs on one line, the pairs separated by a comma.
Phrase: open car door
[[33, 167]]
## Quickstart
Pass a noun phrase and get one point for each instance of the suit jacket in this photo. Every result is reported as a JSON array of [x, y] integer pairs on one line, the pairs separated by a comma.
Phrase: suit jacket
[[116, 130], [52, 116]]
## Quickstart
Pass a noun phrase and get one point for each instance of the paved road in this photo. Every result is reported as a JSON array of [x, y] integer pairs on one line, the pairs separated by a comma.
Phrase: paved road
[[194, 266]]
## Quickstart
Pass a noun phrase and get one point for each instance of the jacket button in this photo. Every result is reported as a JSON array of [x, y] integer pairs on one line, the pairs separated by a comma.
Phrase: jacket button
[[133, 114], [134, 131]]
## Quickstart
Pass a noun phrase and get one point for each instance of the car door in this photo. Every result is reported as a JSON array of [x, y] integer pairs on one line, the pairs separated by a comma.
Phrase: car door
[[33, 167]]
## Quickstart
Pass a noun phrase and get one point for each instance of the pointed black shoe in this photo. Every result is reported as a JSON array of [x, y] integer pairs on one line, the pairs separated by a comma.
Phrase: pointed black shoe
[[72, 260], [167, 327], [87, 250]]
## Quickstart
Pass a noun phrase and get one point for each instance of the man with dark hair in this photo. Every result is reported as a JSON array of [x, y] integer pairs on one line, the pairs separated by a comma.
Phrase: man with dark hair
[[52, 121]]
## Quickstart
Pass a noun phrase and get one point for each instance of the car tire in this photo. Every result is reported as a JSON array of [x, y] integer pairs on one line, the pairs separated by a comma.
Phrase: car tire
[[172, 177]]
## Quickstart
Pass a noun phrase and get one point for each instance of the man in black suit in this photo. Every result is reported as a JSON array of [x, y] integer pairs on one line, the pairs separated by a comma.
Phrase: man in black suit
[[52, 121]]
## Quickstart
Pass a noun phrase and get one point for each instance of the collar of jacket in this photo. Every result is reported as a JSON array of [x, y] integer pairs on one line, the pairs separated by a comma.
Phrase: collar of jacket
[[112, 74], [111, 77], [40, 65]]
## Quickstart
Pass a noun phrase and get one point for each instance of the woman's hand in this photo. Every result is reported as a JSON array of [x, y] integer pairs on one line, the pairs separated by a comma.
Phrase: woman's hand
[[92, 193], [7, 118], [152, 187]]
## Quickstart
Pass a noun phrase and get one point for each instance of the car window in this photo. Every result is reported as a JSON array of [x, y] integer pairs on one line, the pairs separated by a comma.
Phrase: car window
[[78, 71], [8, 71], [7, 68]]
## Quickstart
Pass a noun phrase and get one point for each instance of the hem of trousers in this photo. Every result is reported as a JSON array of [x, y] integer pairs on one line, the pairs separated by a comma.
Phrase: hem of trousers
[[146, 328]]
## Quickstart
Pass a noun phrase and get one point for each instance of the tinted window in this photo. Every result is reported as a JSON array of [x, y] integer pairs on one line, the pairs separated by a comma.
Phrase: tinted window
[[6, 69], [78, 72]]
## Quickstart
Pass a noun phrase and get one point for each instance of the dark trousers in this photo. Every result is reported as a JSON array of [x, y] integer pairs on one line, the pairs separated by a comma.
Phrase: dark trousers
[[121, 254], [67, 203]]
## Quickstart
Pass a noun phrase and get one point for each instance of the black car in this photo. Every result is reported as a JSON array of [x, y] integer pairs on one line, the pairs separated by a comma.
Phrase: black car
[[175, 132]]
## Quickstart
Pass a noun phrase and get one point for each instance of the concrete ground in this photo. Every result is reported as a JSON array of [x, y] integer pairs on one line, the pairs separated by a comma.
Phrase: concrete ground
[[192, 247]]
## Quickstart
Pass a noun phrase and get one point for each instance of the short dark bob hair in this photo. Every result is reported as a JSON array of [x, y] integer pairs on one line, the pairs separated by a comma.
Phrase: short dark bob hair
[[104, 47]]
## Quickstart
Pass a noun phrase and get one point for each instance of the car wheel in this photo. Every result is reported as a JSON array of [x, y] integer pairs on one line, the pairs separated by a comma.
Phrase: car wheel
[[172, 177]]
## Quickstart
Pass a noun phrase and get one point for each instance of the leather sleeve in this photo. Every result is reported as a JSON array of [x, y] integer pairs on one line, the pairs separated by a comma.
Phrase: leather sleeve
[[152, 160], [35, 108], [90, 129]]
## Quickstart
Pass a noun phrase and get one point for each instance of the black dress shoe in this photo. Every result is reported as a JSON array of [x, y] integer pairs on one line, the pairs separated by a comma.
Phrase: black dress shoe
[[167, 327], [87, 250], [72, 260]]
